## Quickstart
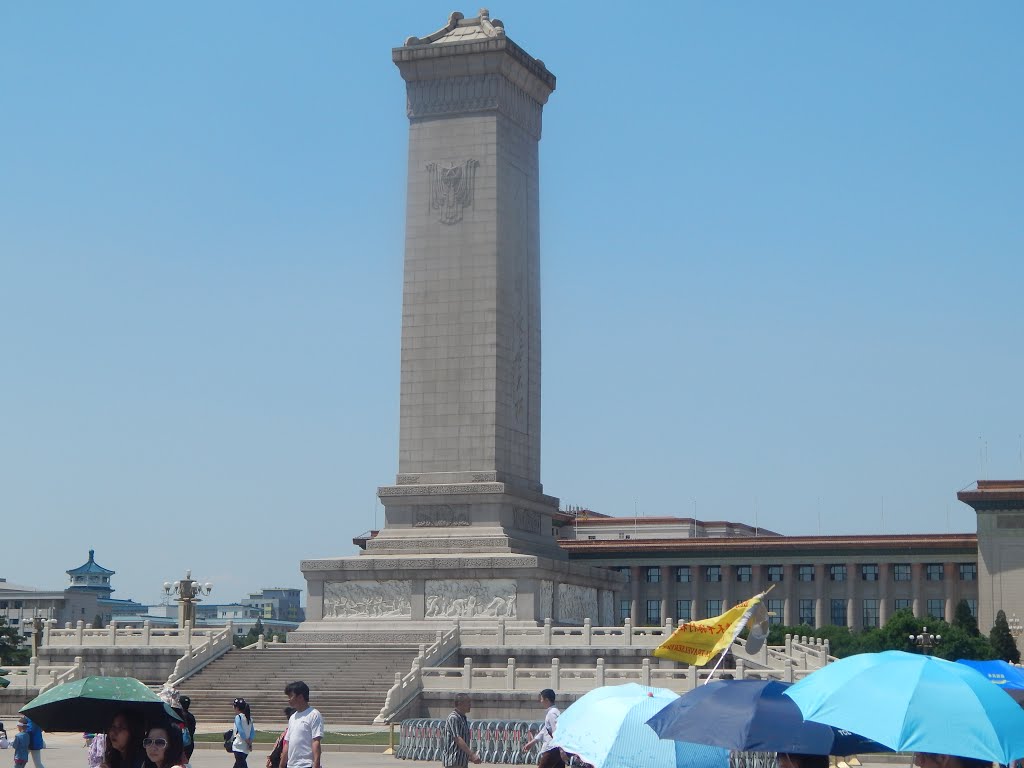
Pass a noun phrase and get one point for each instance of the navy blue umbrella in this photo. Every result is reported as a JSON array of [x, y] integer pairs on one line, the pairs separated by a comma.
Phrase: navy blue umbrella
[[752, 716]]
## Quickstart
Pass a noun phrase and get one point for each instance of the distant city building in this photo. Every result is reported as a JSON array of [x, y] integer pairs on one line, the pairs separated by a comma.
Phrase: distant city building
[[277, 603], [20, 604]]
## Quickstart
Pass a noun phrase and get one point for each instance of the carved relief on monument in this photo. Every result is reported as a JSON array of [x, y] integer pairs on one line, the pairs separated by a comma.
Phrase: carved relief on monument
[[546, 600], [607, 598], [470, 598], [440, 516], [451, 189], [367, 599], [526, 519], [576, 603]]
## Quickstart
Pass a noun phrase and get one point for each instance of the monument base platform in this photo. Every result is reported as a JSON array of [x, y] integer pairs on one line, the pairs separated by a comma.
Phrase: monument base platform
[[408, 598]]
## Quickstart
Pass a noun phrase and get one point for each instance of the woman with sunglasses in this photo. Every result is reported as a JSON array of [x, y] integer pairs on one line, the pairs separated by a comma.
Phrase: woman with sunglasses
[[124, 741], [245, 731], [163, 746]]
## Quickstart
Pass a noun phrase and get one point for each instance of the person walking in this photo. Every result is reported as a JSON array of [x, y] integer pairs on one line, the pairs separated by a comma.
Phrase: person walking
[[20, 744], [35, 742], [305, 730], [245, 731], [190, 725], [457, 752], [274, 758], [545, 736]]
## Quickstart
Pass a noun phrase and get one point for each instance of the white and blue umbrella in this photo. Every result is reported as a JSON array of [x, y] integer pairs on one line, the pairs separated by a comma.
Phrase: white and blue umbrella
[[915, 703], [607, 729]]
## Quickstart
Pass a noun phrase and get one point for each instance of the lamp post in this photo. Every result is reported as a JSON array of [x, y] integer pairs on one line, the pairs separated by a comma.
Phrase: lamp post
[[37, 628], [1016, 629], [926, 640], [188, 592]]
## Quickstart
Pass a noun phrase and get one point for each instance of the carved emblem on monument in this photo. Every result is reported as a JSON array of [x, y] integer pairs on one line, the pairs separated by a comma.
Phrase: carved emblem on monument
[[576, 603], [470, 598], [367, 599], [451, 190], [441, 516]]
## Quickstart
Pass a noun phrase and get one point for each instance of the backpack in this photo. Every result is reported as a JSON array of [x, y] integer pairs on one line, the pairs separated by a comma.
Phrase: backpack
[[229, 736]]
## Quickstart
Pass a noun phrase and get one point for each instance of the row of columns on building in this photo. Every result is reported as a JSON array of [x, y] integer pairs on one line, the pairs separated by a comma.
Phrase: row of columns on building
[[731, 591]]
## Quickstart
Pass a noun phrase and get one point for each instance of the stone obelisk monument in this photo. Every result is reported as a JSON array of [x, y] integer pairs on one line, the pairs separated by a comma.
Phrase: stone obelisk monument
[[469, 532]]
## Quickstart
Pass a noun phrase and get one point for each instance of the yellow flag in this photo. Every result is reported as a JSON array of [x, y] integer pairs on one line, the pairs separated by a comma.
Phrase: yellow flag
[[697, 642]]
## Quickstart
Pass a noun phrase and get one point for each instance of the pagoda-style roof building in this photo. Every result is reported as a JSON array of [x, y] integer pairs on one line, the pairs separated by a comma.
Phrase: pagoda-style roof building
[[91, 576]]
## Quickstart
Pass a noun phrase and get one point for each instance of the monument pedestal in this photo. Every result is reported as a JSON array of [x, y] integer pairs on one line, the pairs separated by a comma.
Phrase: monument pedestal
[[408, 598]]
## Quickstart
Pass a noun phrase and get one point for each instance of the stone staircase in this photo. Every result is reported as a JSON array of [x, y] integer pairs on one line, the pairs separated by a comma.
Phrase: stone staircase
[[347, 683]]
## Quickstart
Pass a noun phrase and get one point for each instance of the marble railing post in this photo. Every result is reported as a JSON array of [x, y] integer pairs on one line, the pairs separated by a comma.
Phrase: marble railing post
[[467, 673], [510, 674], [555, 674]]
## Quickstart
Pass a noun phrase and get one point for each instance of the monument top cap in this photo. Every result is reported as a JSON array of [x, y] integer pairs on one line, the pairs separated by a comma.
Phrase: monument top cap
[[459, 29]]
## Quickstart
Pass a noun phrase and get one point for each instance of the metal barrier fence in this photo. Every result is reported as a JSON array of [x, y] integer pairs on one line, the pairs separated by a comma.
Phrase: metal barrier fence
[[496, 741]]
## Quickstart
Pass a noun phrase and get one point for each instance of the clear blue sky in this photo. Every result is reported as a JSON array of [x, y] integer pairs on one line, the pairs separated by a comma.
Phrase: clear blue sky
[[782, 269]]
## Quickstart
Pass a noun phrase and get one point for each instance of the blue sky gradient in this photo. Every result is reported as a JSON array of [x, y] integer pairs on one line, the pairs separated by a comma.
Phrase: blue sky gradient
[[781, 254]]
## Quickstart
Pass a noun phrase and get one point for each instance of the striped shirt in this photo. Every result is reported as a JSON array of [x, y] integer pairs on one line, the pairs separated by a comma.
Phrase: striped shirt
[[455, 725]]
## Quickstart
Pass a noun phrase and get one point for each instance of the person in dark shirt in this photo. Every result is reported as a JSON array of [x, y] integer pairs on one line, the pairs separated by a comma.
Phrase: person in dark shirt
[[190, 724]]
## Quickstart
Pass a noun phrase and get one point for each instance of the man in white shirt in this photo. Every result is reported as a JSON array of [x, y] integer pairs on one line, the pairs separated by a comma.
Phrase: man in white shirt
[[305, 729], [547, 730]]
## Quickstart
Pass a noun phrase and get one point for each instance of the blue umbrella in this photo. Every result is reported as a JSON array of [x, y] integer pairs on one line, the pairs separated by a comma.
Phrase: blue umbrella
[[752, 716], [915, 703], [606, 728], [1006, 676]]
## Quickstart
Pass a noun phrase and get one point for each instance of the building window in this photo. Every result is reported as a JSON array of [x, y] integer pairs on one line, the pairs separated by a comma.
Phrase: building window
[[653, 574], [591, 538], [713, 573], [806, 608], [870, 614], [775, 611], [805, 573], [901, 572], [683, 612], [933, 572], [968, 571], [653, 612], [3, 604], [714, 608], [936, 609], [902, 603], [869, 572], [837, 573], [682, 573], [774, 573], [973, 605], [623, 610], [837, 613], [744, 573]]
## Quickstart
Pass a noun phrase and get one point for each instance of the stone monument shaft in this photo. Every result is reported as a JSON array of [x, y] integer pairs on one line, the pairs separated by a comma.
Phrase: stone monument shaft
[[469, 533], [470, 389], [469, 435]]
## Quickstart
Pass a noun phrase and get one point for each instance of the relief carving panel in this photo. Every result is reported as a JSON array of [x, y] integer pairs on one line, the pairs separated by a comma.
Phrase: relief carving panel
[[546, 601], [440, 516], [470, 598], [367, 599], [576, 603]]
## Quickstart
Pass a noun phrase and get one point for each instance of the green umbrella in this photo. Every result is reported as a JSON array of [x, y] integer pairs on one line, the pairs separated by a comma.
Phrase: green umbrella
[[88, 705]]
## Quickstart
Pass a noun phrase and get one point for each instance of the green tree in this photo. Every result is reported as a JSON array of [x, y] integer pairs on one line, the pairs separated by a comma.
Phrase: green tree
[[958, 643], [1003, 645], [964, 619], [11, 650]]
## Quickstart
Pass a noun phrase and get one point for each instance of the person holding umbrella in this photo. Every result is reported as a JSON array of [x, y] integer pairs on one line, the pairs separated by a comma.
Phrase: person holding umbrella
[[164, 747]]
